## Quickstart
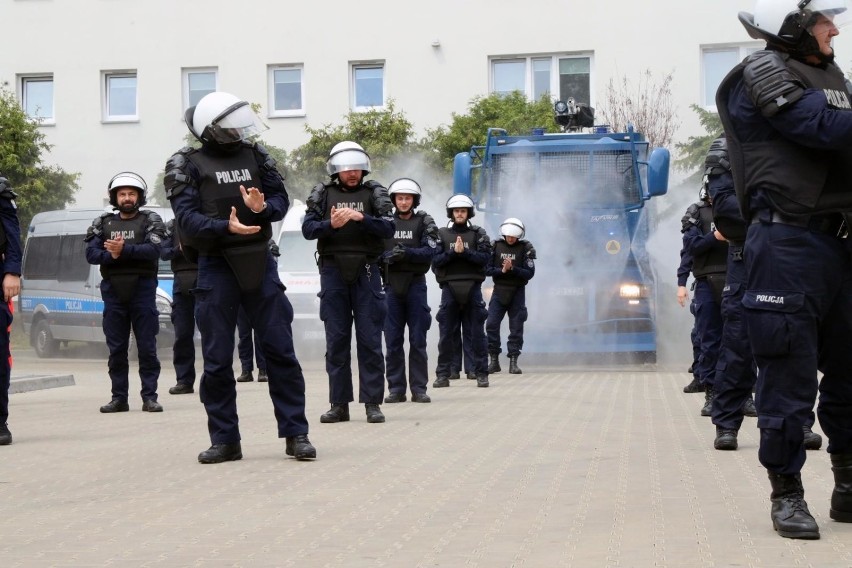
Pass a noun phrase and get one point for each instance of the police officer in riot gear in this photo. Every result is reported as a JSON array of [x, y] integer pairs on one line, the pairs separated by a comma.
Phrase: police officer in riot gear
[[10, 253], [683, 271], [225, 196], [459, 267], [787, 114], [185, 270], [126, 244], [408, 256], [350, 218], [512, 265]]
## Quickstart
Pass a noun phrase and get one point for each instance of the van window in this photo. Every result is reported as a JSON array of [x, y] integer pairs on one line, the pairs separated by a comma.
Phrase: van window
[[73, 266], [41, 258], [297, 253]]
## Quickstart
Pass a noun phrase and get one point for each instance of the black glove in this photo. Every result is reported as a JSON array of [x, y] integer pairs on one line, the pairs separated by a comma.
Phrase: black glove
[[396, 254]]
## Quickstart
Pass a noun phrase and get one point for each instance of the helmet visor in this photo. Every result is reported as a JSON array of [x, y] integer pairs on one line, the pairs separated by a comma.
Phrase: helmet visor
[[832, 10], [235, 123], [348, 160]]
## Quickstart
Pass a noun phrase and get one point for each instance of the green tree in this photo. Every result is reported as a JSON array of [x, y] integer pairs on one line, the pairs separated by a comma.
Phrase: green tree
[[512, 112], [22, 146], [386, 135], [694, 150]]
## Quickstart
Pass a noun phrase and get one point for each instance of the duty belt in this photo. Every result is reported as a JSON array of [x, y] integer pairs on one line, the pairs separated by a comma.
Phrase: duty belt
[[831, 224]]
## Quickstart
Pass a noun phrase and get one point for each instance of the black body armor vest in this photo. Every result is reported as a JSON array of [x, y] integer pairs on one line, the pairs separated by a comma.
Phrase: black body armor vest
[[133, 232], [222, 174], [351, 238], [459, 268], [715, 260], [799, 180], [409, 232], [517, 254]]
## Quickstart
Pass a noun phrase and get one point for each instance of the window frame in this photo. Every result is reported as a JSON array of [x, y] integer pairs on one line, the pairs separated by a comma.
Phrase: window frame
[[270, 77], [743, 49], [353, 93], [23, 80], [185, 72], [529, 79], [106, 117]]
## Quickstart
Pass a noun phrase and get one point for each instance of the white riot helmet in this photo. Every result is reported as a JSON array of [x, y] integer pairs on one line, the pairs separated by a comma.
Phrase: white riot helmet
[[788, 23], [347, 156], [458, 201], [405, 186], [127, 179], [513, 227], [222, 118]]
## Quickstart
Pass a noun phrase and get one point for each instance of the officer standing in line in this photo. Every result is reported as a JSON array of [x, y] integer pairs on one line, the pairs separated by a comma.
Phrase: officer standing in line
[[512, 266], [787, 114], [10, 249], [248, 344], [462, 356], [709, 252], [459, 267], [350, 218], [126, 245], [230, 225], [408, 256], [683, 271], [183, 308]]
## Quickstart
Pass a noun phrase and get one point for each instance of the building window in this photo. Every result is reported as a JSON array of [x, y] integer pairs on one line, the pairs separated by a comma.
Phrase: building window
[[559, 76], [716, 62], [286, 91], [120, 96], [196, 84], [37, 97], [368, 86]]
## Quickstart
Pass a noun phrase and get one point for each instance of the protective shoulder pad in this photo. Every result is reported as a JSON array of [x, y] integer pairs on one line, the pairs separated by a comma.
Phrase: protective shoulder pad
[[692, 218], [96, 229], [770, 84], [170, 228], [529, 250], [265, 161], [481, 235], [156, 228], [382, 205], [316, 200], [431, 227], [716, 162], [177, 174]]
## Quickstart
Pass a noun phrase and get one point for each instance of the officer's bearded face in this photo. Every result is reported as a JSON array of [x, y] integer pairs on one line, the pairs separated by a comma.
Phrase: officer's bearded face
[[351, 178], [460, 215], [127, 200]]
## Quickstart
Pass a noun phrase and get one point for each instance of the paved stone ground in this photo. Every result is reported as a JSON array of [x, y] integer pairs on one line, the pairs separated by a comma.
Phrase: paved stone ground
[[557, 467]]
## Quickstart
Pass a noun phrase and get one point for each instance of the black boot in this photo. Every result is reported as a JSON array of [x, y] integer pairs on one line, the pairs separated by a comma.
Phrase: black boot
[[813, 441], [300, 447], [374, 414], [841, 497], [709, 395], [218, 453], [482, 379], [790, 515], [694, 386], [748, 407], [337, 413], [5, 435], [513, 365], [494, 364], [725, 439]]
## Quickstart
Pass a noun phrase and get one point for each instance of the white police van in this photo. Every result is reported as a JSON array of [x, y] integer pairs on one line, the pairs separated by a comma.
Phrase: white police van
[[60, 299], [297, 269]]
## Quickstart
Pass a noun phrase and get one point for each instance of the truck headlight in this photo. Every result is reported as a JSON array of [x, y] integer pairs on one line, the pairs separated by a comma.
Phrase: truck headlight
[[632, 291]]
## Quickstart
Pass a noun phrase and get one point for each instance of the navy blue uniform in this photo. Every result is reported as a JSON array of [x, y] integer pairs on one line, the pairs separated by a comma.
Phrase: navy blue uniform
[[248, 348], [699, 242], [798, 297], [683, 270], [509, 294], [407, 304], [468, 311], [202, 186], [11, 255], [129, 292], [351, 286], [183, 307]]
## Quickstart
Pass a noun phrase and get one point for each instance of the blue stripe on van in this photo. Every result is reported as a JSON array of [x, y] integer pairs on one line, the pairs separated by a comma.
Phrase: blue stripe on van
[[62, 305]]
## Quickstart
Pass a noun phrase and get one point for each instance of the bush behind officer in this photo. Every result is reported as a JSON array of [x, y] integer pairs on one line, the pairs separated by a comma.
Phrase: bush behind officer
[[350, 218], [787, 114], [511, 267], [10, 252], [459, 267], [408, 256], [225, 196], [126, 244]]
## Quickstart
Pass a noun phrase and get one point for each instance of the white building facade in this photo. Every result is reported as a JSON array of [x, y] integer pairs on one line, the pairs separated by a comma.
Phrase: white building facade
[[111, 78]]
